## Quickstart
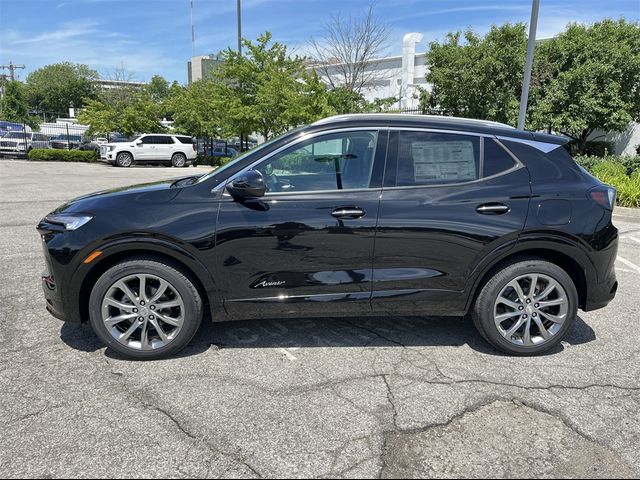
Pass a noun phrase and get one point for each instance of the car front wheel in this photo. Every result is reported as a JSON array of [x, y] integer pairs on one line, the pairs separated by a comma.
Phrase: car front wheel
[[527, 307], [145, 309], [124, 159]]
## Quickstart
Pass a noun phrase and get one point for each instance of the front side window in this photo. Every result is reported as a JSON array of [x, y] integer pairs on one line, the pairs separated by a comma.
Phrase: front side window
[[429, 158], [337, 161], [148, 140]]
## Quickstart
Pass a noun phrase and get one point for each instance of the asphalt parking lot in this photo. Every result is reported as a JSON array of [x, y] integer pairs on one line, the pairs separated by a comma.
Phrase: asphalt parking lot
[[364, 397]]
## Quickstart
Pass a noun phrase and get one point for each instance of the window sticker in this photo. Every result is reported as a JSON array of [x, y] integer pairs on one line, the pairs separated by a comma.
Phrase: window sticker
[[436, 161]]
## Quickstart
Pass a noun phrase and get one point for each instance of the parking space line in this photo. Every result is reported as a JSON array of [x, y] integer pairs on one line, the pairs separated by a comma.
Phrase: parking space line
[[629, 264], [288, 354], [637, 240]]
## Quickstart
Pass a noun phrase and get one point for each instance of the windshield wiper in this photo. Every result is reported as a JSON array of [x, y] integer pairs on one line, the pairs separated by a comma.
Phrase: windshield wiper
[[183, 182]]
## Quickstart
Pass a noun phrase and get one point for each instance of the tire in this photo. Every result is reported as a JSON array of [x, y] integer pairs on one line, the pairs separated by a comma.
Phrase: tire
[[124, 159], [179, 160], [184, 309], [495, 318]]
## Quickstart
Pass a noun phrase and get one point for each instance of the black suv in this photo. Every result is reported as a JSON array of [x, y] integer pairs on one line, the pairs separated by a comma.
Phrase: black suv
[[352, 215]]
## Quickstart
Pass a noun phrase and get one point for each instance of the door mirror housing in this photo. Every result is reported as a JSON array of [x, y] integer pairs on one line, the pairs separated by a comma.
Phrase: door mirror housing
[[249, 184], [138, 142]]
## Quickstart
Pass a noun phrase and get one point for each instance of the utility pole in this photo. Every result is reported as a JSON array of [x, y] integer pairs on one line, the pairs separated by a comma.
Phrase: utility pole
[[12, 68], [524, 97]]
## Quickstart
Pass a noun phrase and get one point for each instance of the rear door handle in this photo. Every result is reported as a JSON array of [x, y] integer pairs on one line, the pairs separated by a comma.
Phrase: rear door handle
[[348, 212], [493, 209]]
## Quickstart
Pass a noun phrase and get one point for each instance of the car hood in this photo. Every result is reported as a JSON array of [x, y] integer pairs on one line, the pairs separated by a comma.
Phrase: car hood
[[146, 193]]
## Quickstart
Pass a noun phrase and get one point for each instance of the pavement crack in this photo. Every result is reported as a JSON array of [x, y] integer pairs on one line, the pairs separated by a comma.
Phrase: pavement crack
[[377, 334], [391, 399]]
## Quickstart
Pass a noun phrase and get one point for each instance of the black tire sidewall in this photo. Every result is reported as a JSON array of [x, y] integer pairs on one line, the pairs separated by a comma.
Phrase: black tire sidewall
[[483, 308], [186, 289]]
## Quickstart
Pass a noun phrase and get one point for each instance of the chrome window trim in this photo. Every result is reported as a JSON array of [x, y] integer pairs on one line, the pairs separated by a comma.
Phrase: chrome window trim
[[303, 138]]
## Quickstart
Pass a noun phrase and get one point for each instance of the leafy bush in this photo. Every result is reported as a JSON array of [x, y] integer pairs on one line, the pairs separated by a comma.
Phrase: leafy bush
[[55, 155], [621, 172], [210, 160], [598, 148]]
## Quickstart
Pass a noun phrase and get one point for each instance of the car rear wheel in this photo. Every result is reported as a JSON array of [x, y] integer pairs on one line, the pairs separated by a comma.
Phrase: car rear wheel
[[179, 160], [124, 159], [527, 307], [145, 309]]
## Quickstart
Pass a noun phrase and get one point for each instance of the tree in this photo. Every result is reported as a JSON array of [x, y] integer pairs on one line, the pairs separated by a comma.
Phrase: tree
[[14, 106], [138, 115], [478, 78], [56, 87], [158, 88], [587, 78], [265, 90], [346, 53]]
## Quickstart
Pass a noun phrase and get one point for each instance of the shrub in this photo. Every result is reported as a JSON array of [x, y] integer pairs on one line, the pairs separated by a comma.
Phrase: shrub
[[623, 173], [211, 161], [55, 155]]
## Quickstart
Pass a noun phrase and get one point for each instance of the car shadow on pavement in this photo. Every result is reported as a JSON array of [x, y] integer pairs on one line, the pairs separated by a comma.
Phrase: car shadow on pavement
[[329, 332]]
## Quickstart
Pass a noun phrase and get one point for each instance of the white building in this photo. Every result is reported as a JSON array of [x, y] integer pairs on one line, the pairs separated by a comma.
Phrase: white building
[[397, 76]]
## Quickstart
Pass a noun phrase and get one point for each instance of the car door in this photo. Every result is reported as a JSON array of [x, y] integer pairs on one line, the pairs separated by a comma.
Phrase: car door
[[450, 201], [306, 247], [164, 147], [144, 149]]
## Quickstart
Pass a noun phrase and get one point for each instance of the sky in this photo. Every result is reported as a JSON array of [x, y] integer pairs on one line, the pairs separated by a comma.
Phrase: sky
[[147, 37]]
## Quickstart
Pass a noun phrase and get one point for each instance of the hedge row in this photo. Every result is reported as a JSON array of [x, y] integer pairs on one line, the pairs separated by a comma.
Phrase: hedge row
[[621, 172], [211, 161], [55, 155]]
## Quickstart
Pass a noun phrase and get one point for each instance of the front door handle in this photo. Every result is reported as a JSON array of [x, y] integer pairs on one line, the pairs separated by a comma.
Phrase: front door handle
[[348, 212], [493, 209]]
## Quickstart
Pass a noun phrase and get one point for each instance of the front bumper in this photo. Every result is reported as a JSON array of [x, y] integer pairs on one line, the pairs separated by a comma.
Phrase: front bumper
[[51, 296]]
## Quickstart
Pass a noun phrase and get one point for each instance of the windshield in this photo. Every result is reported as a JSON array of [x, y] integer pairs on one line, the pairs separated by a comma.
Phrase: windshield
[[16, 135], [231, 164]]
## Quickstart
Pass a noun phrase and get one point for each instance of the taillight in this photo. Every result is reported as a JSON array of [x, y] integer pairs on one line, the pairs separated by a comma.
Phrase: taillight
[[194, 146], [604, 196]]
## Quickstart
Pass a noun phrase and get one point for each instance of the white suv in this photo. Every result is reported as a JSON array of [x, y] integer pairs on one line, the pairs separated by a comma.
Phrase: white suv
[[176, 150]]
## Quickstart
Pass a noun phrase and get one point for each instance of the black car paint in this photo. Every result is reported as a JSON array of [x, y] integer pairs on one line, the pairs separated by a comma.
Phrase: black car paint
[[286, 254]]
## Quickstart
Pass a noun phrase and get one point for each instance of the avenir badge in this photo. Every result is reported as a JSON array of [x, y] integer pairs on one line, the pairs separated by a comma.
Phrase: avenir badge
[[265, 284]]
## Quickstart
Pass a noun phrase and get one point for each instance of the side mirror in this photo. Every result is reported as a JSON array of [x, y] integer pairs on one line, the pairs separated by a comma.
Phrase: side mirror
[[138, 142], [248, 185]]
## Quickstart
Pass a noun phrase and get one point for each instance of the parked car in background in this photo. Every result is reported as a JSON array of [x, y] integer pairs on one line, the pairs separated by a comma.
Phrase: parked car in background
[[222, 151], [6, 127], [93, 144], [20, 143], [384, 215], [171, 150], [66, 142]]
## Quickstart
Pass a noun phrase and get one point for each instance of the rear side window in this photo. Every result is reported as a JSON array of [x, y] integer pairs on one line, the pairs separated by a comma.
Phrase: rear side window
[[161, 140], [429, 158], [187, 140], [496, 159]]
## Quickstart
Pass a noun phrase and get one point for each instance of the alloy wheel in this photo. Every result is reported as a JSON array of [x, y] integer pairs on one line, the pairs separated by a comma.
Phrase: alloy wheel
[[143, 311], [530, 309]]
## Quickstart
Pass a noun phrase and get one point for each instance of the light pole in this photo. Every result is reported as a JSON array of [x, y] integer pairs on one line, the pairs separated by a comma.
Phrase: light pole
[[239, 8], [524, 97]]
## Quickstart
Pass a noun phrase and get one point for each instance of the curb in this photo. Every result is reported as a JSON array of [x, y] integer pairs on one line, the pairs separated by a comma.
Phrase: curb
[[626, 212]]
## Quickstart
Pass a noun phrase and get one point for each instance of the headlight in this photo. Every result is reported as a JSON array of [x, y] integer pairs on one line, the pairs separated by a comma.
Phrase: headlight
[[70, 221]]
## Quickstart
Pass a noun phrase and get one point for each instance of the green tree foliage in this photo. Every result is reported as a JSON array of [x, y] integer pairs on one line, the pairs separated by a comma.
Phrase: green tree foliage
[[587, 78], [55, 87], [158, 88], [140, 115], [14, 106], [480, 77]]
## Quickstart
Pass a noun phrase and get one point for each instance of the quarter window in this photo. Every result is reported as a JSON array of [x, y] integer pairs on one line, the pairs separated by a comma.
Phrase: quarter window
[[337, 161], [496, 159]]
